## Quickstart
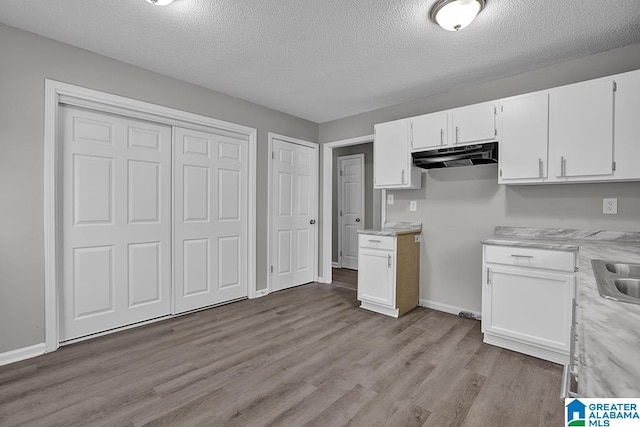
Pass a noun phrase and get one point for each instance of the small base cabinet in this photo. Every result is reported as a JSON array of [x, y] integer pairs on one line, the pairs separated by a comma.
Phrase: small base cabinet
[[388, 273], [527, 300]]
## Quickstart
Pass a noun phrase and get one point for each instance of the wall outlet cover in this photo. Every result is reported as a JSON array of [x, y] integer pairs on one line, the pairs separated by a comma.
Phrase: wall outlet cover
[[610, 206], [389, 199], [413, 206]]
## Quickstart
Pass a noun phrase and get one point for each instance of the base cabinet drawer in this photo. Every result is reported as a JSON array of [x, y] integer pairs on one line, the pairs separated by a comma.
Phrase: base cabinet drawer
[[377, 242], [530, 257]]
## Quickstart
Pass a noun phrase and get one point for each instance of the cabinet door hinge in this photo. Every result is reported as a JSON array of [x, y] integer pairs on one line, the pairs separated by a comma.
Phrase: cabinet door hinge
[[502, 108], [340, 213], [271, 269], [500, 173], [273, 154], [496, 132], [488, 276], [340, 253], [340, 173], [615, 86], [495, 110], [613, 166]]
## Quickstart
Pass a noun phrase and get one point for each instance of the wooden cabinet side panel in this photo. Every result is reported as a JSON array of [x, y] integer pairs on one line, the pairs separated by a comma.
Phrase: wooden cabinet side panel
[[407, 273]]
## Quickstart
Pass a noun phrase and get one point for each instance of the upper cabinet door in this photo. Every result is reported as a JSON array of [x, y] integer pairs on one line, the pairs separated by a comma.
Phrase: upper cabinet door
[[524, 138], [391, 156], [429, 131], [582, 129], [627, 125], [475, 123]]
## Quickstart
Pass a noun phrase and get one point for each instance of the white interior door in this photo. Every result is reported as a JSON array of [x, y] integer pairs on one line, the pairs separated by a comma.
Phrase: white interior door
[[116, 221], [351, 208], [294, 192], [211, 224]]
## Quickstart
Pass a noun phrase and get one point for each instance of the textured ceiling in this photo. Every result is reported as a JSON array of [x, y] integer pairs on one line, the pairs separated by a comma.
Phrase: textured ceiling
[[326, 59]]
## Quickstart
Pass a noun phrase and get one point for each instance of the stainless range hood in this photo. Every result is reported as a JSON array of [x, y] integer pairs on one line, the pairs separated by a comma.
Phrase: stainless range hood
[[468, 155]]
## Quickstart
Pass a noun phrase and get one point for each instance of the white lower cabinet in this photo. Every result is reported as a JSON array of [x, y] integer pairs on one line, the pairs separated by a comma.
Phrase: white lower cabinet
[[388, 273], [527, 300], [376, 271]]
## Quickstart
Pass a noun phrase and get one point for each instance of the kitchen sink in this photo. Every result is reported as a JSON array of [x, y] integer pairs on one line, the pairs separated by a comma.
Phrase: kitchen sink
[[617, 281], [630, 287], [625, 270]]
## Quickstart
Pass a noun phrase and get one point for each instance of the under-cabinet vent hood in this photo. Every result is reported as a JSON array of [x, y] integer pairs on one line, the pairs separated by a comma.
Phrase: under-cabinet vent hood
[[468, 155]]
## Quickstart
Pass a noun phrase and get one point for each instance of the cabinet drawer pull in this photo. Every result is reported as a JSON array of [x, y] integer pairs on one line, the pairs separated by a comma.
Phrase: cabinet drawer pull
[[374, 241], [522, 256], [457, 134], [389, 261]]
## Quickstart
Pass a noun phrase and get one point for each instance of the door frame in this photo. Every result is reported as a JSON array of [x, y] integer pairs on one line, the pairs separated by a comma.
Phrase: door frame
[[362, 198], [57, 92], [327, 200], [316, 148]]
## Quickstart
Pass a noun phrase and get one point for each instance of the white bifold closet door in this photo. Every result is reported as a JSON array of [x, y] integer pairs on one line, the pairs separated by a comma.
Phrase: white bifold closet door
[[211, 259], [116, 221]]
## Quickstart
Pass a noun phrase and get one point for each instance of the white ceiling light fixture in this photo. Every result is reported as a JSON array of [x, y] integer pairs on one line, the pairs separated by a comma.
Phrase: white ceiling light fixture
[[454, 15], [160, 2]]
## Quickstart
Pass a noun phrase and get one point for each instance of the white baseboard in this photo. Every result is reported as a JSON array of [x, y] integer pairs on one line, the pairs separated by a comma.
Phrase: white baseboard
[[335, 264], [262, 293], [22, 354], [448, 308]]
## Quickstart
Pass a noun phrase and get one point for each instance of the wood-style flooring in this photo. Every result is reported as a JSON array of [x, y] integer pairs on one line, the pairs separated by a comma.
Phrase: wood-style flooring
[[345, 278], [303, 356]]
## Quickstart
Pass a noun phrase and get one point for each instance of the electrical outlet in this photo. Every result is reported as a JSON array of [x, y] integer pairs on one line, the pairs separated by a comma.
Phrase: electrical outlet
[[389, 199], [417, 238], [610, 206], [413, 206]]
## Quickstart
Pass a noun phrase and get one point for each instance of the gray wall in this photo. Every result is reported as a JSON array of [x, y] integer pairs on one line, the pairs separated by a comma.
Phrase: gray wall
[[460, 206], [367, 150], [27, 60]]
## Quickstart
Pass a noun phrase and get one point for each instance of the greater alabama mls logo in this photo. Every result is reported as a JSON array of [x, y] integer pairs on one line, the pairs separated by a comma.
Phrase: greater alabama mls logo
[[576, 413], [602, 412]]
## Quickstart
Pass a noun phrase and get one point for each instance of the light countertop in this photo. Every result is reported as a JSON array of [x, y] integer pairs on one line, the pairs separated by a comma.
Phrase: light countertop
[[393, 229], [608, 331]]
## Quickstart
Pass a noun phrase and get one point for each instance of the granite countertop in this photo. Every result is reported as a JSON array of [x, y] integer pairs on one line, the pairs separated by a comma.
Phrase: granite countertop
[[393, 229], [608, 331]]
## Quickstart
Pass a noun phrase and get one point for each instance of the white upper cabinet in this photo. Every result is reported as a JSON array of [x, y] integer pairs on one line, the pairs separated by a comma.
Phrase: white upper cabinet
[[524, 138], [429, 131], [581, 130], [392, 164], [474, 123], [627, 125]]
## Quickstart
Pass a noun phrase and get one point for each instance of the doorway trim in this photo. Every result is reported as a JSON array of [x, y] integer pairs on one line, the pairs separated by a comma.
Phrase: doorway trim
[[56, 92], [327, 199], [340, 204], [271, 136]]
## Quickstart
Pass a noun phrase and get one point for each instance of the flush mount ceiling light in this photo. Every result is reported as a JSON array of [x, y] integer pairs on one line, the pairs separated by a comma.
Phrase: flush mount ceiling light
[[160, 2], [454, 15]]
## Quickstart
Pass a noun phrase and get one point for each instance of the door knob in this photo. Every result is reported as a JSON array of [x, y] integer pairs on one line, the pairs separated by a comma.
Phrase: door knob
[[313, 221], [357, 219]]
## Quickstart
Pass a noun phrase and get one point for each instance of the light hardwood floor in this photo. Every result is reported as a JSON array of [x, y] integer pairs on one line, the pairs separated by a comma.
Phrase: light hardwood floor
[[345, 278], [303, 356]]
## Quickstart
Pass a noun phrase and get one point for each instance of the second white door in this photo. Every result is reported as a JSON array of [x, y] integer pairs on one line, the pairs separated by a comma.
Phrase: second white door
[[210, 250], [350, 208], [294, 182]]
